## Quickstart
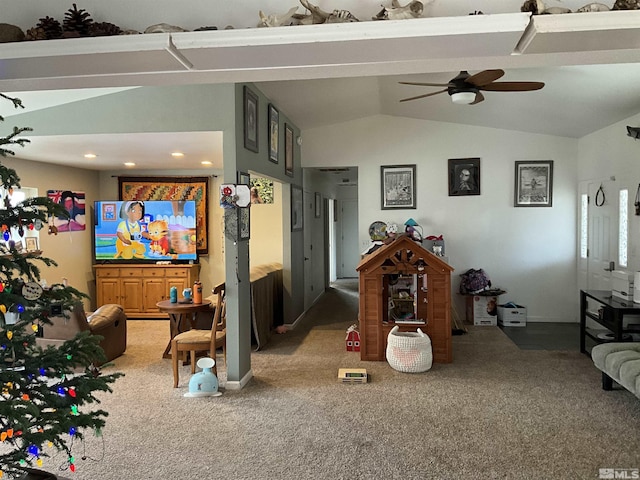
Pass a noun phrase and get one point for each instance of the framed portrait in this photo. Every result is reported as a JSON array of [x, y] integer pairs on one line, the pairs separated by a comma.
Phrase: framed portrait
[[274, 133], [398, 184], [297, 209], [244, 214], [262, 190], [288, 150], [533, 184], [173, 188], [74, 204], [464, 176], [31, 244], [318, 205], [250, 120]]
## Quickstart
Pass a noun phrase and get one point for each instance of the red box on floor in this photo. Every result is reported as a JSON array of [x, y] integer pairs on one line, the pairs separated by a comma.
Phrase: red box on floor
[[353, 339]]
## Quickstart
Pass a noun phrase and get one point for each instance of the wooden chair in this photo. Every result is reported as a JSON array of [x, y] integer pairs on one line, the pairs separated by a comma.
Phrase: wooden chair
[[203, 340]]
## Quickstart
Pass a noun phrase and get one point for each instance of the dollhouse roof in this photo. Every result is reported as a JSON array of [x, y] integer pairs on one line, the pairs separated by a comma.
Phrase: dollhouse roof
[[402, 255]]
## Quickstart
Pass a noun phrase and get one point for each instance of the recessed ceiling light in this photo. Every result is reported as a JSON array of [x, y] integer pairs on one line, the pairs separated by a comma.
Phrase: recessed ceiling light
[[129, 164], [177, 154], [206, 162], [90, 155]]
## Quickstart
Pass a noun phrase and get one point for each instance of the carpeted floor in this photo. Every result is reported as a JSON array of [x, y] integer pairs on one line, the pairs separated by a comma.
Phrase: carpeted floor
[[496, 412]]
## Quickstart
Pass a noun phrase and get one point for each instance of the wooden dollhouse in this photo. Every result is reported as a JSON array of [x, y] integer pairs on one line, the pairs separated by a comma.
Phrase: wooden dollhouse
[[403, 284]]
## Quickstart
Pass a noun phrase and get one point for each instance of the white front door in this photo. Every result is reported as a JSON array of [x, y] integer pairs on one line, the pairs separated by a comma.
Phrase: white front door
[[602, 234]]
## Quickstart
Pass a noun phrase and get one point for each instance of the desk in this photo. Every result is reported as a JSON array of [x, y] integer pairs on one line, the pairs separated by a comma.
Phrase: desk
[[178, 315], [610, 314]]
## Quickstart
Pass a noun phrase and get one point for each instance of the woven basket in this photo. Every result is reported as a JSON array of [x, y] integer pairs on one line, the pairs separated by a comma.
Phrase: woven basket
[[409, 351]]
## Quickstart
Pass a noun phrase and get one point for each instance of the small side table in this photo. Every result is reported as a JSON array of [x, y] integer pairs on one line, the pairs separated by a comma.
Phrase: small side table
[[179, 313]]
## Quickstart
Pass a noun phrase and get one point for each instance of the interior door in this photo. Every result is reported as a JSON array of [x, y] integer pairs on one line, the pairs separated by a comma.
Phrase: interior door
[[602, 234], [350, 254]]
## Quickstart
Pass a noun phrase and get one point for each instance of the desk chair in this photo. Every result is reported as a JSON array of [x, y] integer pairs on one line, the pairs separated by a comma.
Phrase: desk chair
[[203, 340]]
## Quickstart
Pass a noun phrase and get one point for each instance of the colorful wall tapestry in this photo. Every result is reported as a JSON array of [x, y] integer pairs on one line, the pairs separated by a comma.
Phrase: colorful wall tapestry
[[73, 202], [173, 188]]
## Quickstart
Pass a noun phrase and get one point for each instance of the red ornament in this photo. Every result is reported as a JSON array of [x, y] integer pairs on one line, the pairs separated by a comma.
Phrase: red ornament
[[31, 226], [226, 191]]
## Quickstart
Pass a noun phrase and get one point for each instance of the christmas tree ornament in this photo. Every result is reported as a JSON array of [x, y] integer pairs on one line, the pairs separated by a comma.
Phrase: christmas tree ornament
[[6, 235], [32, 291]]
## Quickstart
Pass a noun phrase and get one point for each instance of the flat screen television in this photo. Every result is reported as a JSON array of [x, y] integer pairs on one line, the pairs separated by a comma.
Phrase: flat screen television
[[145, 231]]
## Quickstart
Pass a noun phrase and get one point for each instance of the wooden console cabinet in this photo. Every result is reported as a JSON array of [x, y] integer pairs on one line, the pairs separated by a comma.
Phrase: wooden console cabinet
[[139, 287]]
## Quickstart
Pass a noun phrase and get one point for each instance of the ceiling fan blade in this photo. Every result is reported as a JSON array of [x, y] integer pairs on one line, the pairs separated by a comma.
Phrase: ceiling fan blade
[[426, 84], [512, 86], [485, 77], [423, 96], [479, 98]]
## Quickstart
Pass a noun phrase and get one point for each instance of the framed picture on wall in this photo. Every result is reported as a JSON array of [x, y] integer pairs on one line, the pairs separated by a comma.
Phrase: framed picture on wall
[[464, 176], [274, 133], [533, 184], [250, 120], [288, 150], [31, 244], [297, 209], [398, 184]]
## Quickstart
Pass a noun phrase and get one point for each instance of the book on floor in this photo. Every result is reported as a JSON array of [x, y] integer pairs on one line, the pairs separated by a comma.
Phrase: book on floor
[[352, 375]]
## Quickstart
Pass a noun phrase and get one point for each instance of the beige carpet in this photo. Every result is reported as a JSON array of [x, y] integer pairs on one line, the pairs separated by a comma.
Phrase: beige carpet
[[495, 412]]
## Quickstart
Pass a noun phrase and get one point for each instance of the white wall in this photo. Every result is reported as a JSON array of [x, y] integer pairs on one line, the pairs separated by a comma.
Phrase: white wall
[[530, 252]]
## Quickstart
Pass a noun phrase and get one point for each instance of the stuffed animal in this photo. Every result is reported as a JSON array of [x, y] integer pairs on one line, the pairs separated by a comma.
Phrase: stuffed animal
[[158, 230]]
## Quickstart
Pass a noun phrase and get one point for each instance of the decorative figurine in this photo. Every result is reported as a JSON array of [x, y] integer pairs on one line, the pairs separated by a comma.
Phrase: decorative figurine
[[414, 230], [318, 16], [413, 9], [275, 20]]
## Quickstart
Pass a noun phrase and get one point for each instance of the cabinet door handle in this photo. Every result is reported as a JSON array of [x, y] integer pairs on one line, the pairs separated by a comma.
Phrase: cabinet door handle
[[612, 267]]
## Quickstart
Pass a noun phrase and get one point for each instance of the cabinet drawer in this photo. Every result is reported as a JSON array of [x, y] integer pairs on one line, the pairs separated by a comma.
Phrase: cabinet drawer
[[177, 272], [153, 273], [108, 272], [131, 272]]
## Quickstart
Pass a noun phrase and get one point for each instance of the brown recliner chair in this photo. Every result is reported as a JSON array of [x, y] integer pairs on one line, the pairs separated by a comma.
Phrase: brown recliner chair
[[109, 321]]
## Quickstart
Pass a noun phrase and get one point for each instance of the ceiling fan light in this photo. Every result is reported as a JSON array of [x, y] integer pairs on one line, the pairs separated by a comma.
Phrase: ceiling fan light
[[463, 98]]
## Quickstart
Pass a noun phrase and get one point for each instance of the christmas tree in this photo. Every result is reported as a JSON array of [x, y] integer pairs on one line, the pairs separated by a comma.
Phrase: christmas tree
[[47, 395]]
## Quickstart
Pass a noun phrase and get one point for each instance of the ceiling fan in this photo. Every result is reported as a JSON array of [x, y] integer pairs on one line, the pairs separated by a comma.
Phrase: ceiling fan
[[466, 89]]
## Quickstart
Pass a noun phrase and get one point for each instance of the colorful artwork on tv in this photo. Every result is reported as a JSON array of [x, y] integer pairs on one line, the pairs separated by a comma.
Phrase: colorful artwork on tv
[[73, 202], [145, 230]]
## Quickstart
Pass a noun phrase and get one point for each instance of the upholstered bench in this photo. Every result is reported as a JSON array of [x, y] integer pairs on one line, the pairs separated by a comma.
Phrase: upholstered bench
[[619, 361]]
